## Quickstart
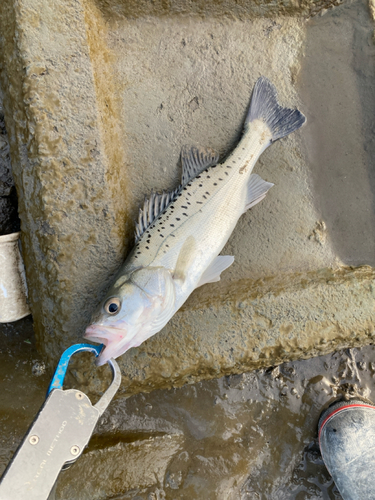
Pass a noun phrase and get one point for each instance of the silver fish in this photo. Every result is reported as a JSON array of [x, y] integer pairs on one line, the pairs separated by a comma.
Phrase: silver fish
[[179, 234]]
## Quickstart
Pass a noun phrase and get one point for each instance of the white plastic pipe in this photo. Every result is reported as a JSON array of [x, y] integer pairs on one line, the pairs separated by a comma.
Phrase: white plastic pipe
[[13, 288]]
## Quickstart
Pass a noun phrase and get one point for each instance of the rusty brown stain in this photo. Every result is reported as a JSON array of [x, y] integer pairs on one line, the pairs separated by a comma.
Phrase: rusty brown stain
[[262, 138], [243, 169]]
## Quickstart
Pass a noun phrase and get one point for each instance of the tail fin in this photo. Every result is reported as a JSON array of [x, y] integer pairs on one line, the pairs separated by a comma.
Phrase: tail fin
[[264, 106]]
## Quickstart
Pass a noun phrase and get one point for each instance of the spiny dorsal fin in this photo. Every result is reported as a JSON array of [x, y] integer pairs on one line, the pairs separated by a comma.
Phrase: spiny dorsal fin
[[194, 160], [152, 208]]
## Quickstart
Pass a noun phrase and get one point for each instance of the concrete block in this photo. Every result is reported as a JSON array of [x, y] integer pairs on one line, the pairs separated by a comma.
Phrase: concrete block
[[255, 324], [73, 231], [99, 97]]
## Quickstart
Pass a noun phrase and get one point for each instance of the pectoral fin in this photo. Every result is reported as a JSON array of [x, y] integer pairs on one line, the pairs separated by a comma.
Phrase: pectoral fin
[[185, 259], [212, 273], [257, 189]]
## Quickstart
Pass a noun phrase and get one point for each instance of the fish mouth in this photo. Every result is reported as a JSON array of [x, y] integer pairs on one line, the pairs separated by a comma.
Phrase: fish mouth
[[104, 334], [114, 339]]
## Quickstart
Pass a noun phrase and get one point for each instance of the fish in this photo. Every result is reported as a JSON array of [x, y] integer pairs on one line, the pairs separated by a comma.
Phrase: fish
[[180, 234]]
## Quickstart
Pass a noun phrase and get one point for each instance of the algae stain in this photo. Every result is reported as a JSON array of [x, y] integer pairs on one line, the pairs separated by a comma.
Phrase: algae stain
[[107, 95], [262, 321], [132, 9], [286, 329]]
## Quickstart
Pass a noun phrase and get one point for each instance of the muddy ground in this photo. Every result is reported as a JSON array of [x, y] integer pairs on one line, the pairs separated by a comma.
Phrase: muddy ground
[[250, 436]]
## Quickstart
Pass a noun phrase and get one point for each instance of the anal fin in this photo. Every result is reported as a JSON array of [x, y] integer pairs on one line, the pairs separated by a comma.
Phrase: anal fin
[[217, 266], [257, 189]]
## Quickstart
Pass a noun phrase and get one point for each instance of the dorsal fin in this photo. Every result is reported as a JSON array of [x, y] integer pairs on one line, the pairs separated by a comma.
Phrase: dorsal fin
[[152, 208], [194, 160]]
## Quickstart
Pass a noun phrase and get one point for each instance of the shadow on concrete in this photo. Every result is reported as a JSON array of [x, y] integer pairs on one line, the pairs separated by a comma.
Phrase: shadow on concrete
[[337, 83]]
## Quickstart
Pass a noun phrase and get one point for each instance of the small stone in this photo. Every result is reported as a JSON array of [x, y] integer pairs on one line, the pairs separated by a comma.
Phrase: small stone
[[319, 233], [38, 369], [275, 372], [173, 480]]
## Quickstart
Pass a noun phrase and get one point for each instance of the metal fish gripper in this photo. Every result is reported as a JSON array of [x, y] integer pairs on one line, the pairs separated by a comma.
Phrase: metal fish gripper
[[58, 435]]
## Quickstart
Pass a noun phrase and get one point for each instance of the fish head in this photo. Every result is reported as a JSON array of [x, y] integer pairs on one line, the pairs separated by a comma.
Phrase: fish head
[[136, 307]]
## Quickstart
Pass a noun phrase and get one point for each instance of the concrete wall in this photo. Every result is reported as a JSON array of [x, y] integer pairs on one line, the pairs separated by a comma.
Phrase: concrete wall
[[99, 97], [72, 203]]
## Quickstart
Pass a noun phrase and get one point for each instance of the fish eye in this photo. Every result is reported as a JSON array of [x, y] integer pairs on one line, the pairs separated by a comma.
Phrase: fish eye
[[112, 306]]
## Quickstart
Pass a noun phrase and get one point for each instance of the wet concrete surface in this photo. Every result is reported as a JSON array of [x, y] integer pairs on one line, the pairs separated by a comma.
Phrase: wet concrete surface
[[337, 86], [322, 201], [248, 436]]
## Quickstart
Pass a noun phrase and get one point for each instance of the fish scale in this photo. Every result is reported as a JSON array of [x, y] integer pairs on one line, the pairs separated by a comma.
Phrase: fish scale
[[180, 234]]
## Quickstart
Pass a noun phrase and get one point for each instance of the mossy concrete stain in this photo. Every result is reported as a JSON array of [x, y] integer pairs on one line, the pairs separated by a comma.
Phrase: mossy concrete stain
[[243, 9], [109, 118]]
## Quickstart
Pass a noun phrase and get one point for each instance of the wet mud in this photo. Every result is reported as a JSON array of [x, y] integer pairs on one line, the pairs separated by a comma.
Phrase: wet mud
[[248, 436]]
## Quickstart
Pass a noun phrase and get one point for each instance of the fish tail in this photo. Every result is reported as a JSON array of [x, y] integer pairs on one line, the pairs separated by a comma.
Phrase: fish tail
[[264, 106]]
